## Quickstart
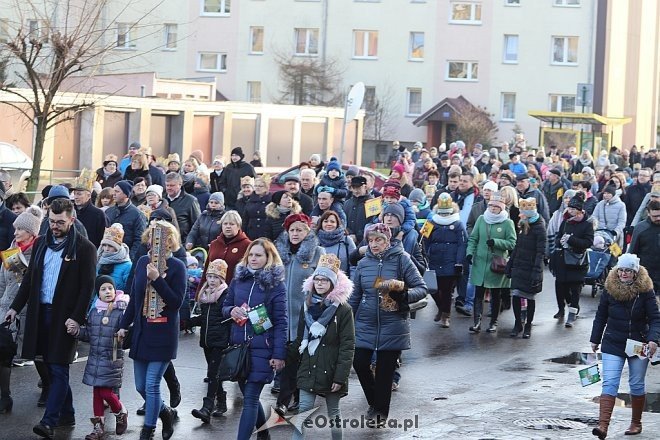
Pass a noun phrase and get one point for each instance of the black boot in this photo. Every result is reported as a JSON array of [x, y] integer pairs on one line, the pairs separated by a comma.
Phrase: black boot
[[147, 433], [44, 379], [527, 333], [517, 328], [204, 414], [167, 416], [220, 404], [173, 385], [476, 328], [43, 397], [6, 402], [492, 327], [142, 410]]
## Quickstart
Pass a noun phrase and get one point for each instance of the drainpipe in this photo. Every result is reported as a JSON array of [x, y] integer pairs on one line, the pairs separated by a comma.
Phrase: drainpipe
[[324, 30]]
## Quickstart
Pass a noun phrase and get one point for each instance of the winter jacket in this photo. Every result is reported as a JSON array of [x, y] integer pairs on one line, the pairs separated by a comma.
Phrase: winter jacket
[[230, 180], [504, 235], [156, 175], [339, 186], [645, 244], [525, 268], [101, 370], [255, 220], [554, 194], [297, 267], [265, 286], [541, 202], [590, 205], [215, 182], [337, 243], [202, 195], [156, 341], [611, 216], [356, 218], [332, 360], [409, 221], [133, 222], [231, 250], [6, 226], [477, 211], [110, 181], [275, 219], [446, 246], [120, 274], [634, 197], [187, 211], [465, 201], [375, 328], [94, 221], [9, 283], [582, 238], [206, 228], [626, 312], [306, 203], [214, 333], [130, 174], [336, 207]]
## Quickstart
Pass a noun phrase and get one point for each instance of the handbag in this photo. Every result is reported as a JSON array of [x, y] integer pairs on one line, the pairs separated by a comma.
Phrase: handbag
[[431, 281], [235, 363], [8, 345], [574, 259], [497, 263]]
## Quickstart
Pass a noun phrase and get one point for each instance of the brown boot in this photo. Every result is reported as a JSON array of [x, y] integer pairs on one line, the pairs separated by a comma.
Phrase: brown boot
[[637, 409], [122, 422], [604, 416], [98, 433]]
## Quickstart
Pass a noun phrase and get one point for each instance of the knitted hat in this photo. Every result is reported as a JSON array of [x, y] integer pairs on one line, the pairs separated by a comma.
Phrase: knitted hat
[[445, 204], [156, 189], [396, 210], [353, 171], [218, 159], [247, 180], [29, 220], [238, 151], [110, 158], [294, 218], [392, 189], [190, 260], [101, 280], [199, 155], [378, 229], [610, 189], [628, 261], [113, 236], [588, 170], [328, 267], [497, 199], [569, 193], [125, 186], [333, 165], [417, 195], [491, 186], [217, 197], [161, 214], [134, 146], [577, 201], [655, 190], [399, 168], [58, 192], [217, 267], [277, 196], [173, 157]]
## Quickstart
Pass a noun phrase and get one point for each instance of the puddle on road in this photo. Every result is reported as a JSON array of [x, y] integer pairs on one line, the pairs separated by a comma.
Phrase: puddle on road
[[623, 400], [576, 358]]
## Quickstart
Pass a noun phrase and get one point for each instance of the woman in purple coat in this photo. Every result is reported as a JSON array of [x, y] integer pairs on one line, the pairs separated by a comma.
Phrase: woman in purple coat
[[258, 282]]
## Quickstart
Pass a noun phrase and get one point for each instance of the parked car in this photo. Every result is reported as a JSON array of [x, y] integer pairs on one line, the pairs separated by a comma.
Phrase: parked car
[[17, 164], [277, 181]]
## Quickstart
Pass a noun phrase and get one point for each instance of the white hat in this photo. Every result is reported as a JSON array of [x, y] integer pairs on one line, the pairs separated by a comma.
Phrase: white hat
[[491, 186], [628, 261], [156, 189]]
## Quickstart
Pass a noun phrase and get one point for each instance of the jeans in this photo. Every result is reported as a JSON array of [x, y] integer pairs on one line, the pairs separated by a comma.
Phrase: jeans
[[147, 382], [334, 415], [253, 413], [378, 389], [612, 367]]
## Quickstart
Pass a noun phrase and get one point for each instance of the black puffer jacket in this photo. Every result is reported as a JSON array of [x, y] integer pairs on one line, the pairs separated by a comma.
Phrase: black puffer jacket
[[206, 228], [582, 238], [133, 222], [525, 266], [255, 220], [230, 180], [214, 333], [110, 181], [6, 226], [187, 211]]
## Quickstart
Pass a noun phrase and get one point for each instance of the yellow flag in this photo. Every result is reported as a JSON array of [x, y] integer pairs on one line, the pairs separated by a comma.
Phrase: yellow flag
[[427, 229], [372, 207]]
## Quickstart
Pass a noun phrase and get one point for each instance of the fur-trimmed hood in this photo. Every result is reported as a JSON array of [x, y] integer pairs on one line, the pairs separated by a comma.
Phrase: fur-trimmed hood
[[305, 253], [622, 292], [266, 278], [340, 293], [272, 212]]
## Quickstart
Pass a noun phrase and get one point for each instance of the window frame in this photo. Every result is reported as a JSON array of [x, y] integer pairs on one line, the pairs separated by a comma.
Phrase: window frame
[[564, 4], [250, 90], [409, 92], [503, 118], [252, 40], [366, 38], [166, 27], [505, 51], [307, 53], [470, 68], [566, 51], [560, 98], [219, 62], [411, 46], [472, 21], [130, 40], [223, 5]]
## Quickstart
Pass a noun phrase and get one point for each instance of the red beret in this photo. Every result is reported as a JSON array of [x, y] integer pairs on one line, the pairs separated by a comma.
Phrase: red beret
[[291, 219]]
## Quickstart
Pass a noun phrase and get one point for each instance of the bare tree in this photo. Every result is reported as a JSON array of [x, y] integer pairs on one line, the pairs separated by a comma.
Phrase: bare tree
[[380, 113], [51, 42], [310, 81], [474, 125]]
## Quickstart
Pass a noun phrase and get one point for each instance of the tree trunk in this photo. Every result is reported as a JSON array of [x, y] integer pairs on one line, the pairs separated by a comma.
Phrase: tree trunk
[[39, 140]]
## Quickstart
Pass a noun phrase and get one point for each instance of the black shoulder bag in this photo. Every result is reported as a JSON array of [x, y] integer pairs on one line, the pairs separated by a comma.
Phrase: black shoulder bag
[[235, 363]]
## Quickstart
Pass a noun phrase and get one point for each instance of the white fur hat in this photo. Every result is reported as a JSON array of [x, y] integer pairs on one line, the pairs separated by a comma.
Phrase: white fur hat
[[628, 261]]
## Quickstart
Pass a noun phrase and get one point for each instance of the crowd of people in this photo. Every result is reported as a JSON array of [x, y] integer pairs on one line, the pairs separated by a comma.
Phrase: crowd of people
[[314, 279]]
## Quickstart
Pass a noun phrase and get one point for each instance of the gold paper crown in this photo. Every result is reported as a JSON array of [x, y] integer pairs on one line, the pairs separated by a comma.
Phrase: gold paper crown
[[497, 197], [85, 181], [576, 177], [247, 180], [145, 150], [173, 157], [445, 201], [145, 209], [111, 158], [528, 204], [329, 261], [655, 189], [217, 267]]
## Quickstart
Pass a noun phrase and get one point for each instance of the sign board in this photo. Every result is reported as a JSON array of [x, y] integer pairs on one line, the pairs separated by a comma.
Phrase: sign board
[[354, 101], [584, 97]]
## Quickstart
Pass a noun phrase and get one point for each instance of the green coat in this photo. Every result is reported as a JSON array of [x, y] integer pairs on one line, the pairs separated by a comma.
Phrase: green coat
[[504, 235]]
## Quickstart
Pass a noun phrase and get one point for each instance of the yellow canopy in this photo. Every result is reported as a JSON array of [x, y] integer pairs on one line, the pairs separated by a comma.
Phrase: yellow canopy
[[564, 118]]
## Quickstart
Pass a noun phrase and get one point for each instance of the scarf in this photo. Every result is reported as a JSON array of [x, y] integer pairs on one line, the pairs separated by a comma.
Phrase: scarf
[[282, 209], [331, 238], [585, 162], [25, 246], [102, 305], [445, 220], [460, 197], [68, 244], [573, 220], [316, 328], [208, 296], [493, 219], [121, 256]]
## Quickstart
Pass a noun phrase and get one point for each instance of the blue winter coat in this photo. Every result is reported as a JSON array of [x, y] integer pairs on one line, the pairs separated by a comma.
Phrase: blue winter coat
[[446, 246], [263, 287], [156, 341], [120, 273], [375, 328], [133, 222], [339, 185]]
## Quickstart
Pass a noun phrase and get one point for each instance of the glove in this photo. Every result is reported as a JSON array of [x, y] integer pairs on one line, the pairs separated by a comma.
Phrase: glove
[[458, 269], [397, 296], [468, 259], [490, 242], [392, 285]]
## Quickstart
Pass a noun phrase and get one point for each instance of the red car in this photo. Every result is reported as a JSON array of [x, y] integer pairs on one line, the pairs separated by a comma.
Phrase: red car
[[277, 181]]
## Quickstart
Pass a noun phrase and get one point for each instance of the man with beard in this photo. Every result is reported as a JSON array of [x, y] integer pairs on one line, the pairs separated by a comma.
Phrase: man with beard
[[230, 179], [525, 191], [646, 242], [89, 215], [56, 289], [292, 185]]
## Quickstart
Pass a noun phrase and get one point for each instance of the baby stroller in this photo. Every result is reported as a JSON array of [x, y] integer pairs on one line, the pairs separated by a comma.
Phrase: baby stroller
[[601, 261]]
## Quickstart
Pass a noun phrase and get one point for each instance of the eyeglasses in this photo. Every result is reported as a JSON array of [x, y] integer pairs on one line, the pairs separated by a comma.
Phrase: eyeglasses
[[321, 280], [625, 270], [57, 222]]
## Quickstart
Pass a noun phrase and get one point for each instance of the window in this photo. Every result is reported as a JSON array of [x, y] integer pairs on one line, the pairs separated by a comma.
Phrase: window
[[38, 30], [465, 13], [510, 49], [125, 36], [217, 8], [365, 44], [416, 50], [511, 2], [508, 111], [462, 70], [562, 103], [369, 103], [171, 36], [4, 30], [564, 50], [254, 91], [256, 39], [568, 3], [212, 62], [414, 104], [307, 41]]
